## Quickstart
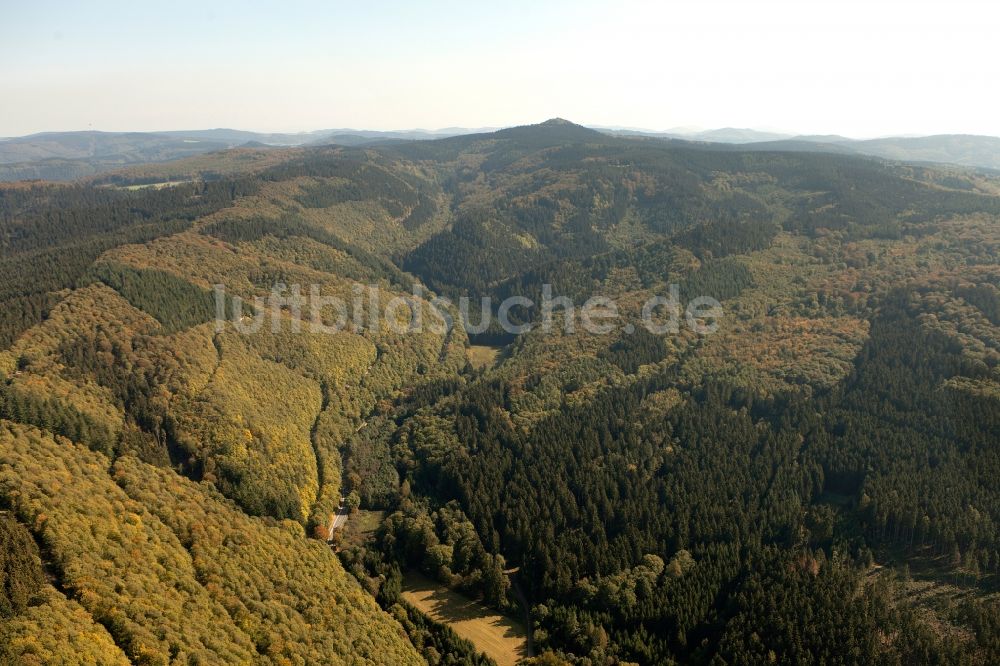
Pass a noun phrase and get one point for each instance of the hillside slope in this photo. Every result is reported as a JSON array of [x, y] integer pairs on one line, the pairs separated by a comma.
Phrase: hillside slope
[[649, 498]]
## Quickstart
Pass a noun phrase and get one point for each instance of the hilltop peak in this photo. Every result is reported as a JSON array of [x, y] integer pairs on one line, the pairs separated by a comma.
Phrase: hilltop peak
[[554, 130]]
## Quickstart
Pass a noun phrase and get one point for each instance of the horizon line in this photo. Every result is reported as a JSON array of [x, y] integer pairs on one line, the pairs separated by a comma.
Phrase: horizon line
[[683, 131]]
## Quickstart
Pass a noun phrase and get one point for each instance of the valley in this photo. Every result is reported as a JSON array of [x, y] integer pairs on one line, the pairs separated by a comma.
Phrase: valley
[[828, 452]]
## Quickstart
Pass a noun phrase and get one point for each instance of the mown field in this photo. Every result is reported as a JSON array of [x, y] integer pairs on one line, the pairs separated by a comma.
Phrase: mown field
[[500, 637]]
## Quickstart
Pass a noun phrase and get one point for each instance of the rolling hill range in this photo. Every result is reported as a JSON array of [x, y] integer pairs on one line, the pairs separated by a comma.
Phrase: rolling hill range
[[167, 481], [963, 150], [62, 156], [959, 149], [73, 155]]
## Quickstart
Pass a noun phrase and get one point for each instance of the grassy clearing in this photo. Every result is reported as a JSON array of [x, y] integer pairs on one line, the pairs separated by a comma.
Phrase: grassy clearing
[[154, 186], [499, 637], [360, 528], [366, 522], [483, 356]]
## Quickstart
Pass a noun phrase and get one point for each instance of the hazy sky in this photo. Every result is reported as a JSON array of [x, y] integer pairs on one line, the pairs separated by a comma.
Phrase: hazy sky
[[855, 68]]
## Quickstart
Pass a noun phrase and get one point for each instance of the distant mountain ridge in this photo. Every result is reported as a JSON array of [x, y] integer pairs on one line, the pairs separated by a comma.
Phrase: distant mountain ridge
[[960, 149], [72, 155], [968, 150], [964, 149]]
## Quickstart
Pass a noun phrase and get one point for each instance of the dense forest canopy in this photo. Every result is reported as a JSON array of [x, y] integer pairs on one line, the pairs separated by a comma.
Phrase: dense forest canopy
[[815, 482]]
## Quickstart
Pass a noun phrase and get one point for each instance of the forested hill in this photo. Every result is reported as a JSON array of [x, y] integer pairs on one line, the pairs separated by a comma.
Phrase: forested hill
[[64, 156], [812, 483], [959, 149], [552, 196]]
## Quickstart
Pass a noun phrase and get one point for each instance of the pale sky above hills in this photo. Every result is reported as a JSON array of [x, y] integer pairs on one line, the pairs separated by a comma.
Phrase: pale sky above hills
[[853, 68]]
